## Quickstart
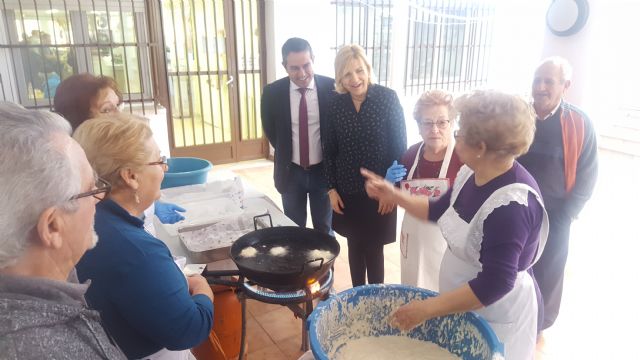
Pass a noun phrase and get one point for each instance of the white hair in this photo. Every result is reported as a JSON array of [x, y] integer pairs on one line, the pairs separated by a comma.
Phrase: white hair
[[35, 174], [566, 71]]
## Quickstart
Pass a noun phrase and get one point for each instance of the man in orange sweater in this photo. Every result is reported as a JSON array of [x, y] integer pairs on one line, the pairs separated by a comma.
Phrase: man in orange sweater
[[563, 160]]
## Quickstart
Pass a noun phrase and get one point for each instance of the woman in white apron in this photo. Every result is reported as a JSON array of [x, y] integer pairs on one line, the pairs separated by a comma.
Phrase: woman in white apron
[[432, 166], [493, 220]]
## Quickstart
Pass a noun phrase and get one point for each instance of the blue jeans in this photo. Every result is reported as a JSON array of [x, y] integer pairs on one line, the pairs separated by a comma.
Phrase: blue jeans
[[309, 183]]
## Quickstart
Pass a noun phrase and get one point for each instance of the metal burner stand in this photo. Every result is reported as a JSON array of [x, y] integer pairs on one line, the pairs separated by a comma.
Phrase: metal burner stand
[[300, 302]]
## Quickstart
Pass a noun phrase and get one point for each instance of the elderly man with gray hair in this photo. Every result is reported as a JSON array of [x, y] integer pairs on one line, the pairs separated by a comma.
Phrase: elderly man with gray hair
[[563, 159], [48, 194]]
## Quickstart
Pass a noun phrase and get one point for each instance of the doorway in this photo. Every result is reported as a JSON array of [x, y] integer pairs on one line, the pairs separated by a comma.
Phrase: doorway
[[214, 71]]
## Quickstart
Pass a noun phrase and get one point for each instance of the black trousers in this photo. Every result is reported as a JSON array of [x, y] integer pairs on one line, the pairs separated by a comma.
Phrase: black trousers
[[549, 270], [367, 232], [366, 259]]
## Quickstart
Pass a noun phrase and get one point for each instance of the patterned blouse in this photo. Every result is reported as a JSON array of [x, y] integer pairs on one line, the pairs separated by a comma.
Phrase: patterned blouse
[[372, 138]]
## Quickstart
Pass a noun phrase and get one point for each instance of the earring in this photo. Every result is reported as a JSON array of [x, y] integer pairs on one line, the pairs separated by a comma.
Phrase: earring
[[136, 197]]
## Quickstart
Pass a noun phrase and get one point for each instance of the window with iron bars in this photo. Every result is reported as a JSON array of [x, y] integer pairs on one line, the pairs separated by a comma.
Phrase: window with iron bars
[[367, 23], [44, 42], [447, 43]]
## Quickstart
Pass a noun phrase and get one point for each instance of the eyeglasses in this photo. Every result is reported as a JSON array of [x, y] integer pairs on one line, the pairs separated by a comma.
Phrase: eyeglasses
[[456, 134], [163, 162], [441, 124], [101, 191], [112, 108]]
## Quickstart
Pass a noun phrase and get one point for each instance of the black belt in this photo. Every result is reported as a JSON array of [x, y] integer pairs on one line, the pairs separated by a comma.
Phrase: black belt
[[308, 168]]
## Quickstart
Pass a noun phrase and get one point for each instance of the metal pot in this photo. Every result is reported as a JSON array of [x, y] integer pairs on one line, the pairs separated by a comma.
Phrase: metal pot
[[291, 271]]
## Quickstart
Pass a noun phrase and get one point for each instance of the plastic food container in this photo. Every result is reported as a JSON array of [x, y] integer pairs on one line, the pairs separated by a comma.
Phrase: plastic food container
[[186, 171], [363, 311]]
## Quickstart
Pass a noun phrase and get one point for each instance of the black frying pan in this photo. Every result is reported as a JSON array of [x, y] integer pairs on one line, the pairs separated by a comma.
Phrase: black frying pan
[[292, 271]]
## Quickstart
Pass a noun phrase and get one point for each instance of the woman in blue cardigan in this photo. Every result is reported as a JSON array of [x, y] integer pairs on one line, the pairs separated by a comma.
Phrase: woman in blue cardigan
[[146, 303]]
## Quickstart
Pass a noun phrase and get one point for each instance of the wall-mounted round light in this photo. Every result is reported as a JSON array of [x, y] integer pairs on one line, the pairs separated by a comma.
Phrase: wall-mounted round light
[[567, 17]]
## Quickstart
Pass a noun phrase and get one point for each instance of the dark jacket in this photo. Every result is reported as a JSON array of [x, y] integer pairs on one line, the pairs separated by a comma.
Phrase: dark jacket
[[48, 319], [276, 121], [371, 138]]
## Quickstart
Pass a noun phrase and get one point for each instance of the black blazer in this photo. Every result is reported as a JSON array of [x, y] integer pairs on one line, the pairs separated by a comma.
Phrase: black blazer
[[276, 121]]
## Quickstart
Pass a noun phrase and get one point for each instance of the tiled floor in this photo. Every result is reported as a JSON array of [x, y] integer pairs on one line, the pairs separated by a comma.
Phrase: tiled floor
[[599, 315]]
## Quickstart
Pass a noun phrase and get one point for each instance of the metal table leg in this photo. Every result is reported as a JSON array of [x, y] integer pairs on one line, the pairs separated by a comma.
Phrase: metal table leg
[[308, 307]]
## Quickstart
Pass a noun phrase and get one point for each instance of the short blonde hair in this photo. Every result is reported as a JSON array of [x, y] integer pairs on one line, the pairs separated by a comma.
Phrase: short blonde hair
[[432, 98], [344, 56], [114, 142], [504, 123]]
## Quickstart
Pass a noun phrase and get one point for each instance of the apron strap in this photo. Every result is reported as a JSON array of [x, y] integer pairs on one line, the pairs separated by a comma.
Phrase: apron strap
[[447, 159], [415, 162], [445, 163], [463, 175]]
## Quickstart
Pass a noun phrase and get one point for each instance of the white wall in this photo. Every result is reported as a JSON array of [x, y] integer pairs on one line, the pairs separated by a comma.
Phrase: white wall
[[575, 49], [312, 20], [603, 54], [518, 41], [605, 57]]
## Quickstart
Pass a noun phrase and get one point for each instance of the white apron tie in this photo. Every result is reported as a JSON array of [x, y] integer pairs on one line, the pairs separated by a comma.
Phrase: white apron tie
[[421, 243]]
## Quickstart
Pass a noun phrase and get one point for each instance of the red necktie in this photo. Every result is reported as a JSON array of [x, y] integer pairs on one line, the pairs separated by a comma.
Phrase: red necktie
[[303, 130]]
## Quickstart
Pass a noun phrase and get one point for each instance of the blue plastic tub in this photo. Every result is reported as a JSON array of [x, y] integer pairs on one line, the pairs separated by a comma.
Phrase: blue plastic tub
[[186, 171], [339, 319]]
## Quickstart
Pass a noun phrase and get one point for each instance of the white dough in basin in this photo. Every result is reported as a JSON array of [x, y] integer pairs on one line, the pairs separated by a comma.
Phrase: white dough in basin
[[392, 347]]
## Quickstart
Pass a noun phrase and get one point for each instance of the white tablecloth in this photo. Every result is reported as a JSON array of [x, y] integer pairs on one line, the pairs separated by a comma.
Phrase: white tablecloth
[[253, 201]]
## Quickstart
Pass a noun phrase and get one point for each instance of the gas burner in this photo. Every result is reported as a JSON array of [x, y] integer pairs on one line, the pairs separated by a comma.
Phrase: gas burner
[[300, 302], [312, 291], [294, 284]]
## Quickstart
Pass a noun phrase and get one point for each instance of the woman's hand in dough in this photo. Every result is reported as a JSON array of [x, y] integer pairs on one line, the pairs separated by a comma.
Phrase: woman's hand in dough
[[410, 315]]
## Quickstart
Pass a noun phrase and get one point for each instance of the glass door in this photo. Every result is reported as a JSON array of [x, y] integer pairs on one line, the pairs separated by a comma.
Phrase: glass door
[[214, 72]]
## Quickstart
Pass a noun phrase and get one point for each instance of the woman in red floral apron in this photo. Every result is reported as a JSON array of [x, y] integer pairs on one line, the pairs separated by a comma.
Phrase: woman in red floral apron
[[433, 166]]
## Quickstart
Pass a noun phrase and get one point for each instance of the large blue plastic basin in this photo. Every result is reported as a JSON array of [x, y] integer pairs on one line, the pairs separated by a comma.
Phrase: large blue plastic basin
[[185, 171], [338, 320]]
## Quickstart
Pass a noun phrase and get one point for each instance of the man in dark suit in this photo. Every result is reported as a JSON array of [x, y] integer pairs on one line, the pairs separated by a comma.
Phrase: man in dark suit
[[294, 118]]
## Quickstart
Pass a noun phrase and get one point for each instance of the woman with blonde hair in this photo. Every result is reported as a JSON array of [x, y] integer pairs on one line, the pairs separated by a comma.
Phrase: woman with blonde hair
[[366, 129], [146, 303], [433, 166], [493, 220]]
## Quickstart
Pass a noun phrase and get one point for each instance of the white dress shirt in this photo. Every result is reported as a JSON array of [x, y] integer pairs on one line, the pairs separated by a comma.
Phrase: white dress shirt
[[551, 113], [313, 116]]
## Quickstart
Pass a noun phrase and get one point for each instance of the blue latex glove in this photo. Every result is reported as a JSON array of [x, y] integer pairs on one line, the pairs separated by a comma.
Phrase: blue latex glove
[[395, 172], [168, 213]]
